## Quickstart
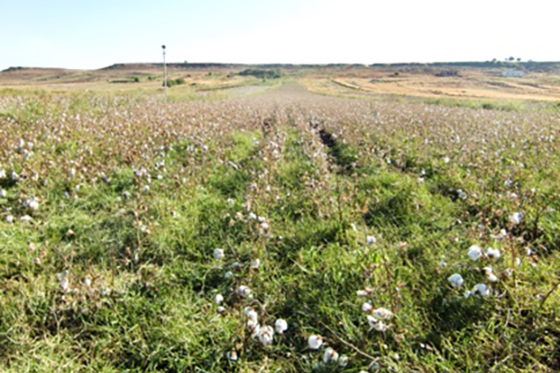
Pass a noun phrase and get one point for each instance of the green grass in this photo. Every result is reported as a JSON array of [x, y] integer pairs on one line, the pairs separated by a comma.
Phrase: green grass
[[148, 252]]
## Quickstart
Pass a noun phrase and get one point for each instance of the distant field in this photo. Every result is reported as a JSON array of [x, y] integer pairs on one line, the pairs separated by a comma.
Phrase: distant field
[[329, 220], [463, 84]]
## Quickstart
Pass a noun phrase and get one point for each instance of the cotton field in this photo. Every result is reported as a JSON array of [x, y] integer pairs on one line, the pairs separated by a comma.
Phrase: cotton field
[[279, 232]]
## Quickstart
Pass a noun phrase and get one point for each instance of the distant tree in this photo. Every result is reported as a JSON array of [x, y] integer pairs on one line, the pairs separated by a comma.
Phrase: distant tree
[[518, 59], [511, 59]]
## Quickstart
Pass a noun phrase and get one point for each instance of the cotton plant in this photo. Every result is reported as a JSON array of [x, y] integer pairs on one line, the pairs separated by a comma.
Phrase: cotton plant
[[32, 204], [486, 256], [281, 326], [456, 280], [516, 218], [315, 342], [219, 254], [244, 292]]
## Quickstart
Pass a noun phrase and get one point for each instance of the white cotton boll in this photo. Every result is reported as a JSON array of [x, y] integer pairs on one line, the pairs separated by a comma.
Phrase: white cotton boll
[[508, 272], [371, 321], [487, 271], [281, 326], [467, 294], [446, 160], [64, 284], [266, 335], [371, 240], [254, 328], [474, 252], [517, 262], [383, 314], [343, 361], [481, 289], [362, 293], [501, 235], [516, 218], [228, 274], [330, 355], [3, 193], [380, 326], [366, 307], [87, 282], [9, 219], [219, 298], [230, 201], [462, 195], [218, 253], [26, 218], [261, 219], [492, 278], [221, 309], [251, 314], [376, 324], [315, 342], [493, 253], [2, 173], [255, 264], [252, 216], [146, 188], [528, 251], [32, 204], [265, 227], [232, 355], [456, 280], [244, 291]]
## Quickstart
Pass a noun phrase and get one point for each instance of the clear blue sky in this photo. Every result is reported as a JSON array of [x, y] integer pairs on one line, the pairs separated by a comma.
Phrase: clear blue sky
[[94, 34]]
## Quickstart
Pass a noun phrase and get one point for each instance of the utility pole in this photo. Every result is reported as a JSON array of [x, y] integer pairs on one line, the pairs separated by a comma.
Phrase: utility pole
[[164, 68]]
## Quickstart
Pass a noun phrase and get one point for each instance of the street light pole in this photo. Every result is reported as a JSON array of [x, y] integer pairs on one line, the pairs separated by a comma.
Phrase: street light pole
[[164, 68]]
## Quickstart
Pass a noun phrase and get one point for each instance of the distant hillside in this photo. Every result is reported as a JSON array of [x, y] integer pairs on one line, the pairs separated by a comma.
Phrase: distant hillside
[[22, 69], [533, 66], [530, 66], [211, 65]]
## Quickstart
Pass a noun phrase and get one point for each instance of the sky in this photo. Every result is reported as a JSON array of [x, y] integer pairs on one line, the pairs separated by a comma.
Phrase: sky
[[82, 34]]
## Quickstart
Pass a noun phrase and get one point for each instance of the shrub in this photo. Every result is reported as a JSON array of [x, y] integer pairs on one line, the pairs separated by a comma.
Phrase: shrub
[[172, 82], [263, 74]]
